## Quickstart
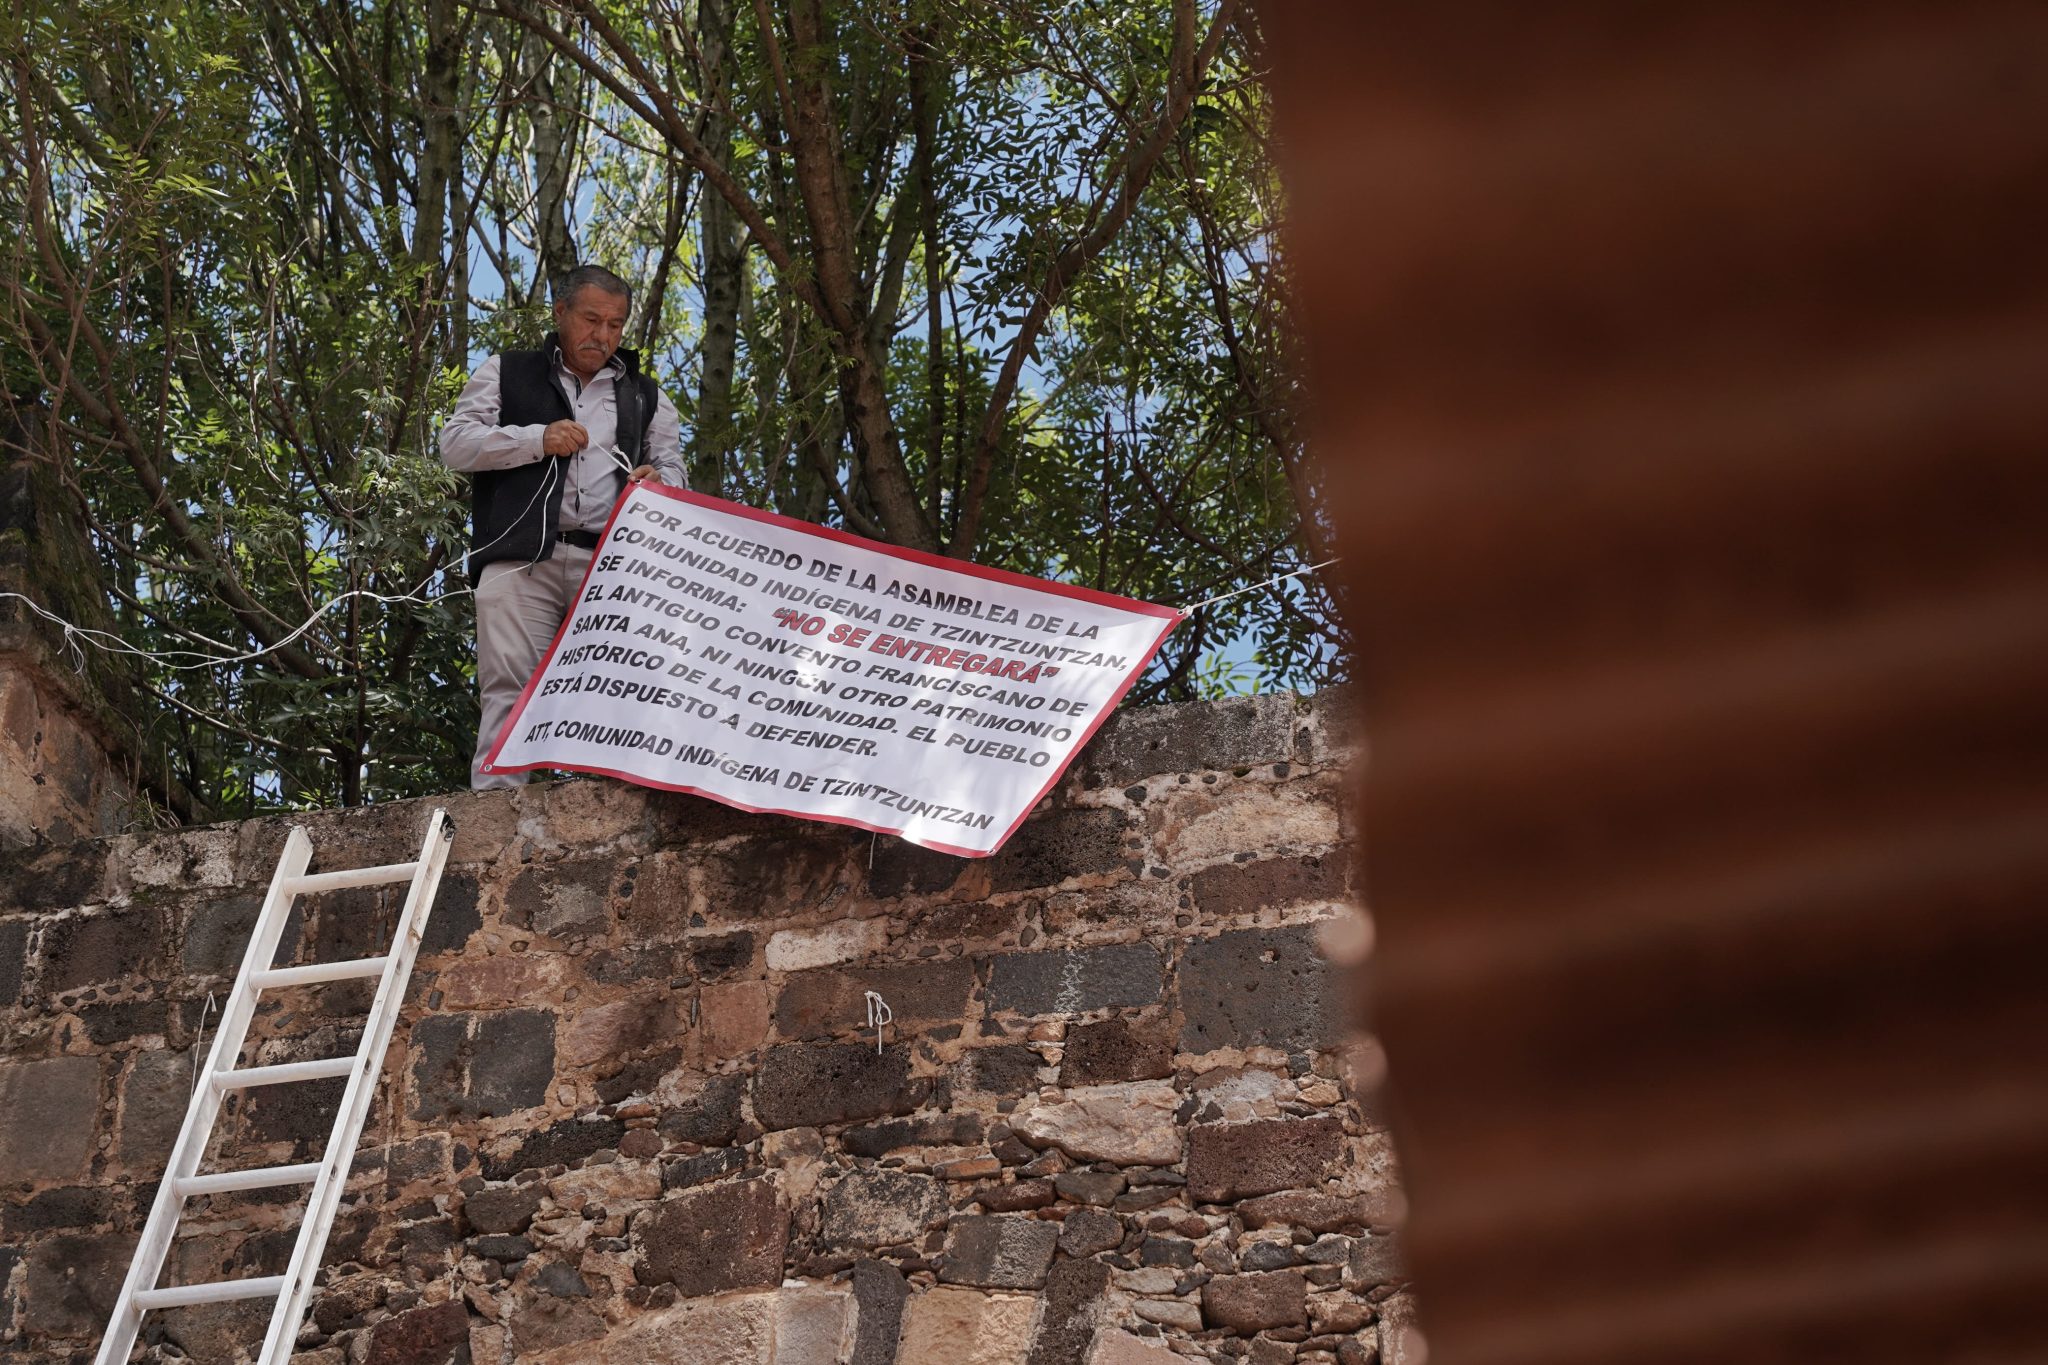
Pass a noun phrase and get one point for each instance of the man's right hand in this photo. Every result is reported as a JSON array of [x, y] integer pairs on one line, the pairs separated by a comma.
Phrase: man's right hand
[[564, 438]]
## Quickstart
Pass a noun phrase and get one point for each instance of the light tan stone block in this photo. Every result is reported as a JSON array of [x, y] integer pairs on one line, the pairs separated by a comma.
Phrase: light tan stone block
[[966, 1327]]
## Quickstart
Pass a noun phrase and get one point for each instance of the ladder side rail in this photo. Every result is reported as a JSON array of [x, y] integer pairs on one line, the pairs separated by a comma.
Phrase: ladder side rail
[[325, 1197], [203, 1110]]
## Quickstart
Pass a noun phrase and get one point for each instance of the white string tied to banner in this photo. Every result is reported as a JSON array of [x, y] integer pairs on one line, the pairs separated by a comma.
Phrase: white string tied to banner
[[1239, 592], [879, 1014]]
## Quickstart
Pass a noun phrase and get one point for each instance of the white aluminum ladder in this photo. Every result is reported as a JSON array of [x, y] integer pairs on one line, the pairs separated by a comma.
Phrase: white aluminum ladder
[[328, 1175]]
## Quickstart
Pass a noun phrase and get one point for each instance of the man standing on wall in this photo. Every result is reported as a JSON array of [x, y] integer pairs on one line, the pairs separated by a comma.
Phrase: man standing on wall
[[549, 439]]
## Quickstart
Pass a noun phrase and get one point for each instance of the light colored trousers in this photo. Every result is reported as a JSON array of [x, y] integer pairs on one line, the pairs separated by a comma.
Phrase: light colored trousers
[[519, 607]]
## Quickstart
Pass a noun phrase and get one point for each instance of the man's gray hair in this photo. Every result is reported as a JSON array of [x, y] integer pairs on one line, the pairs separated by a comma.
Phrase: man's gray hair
[[590, 277]]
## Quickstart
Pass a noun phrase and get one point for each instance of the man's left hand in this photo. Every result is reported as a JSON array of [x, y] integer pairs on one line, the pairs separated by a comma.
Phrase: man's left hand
[[641, 474]]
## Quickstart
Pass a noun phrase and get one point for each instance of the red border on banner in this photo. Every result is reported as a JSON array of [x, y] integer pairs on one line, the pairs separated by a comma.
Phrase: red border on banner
[[1169, 615]]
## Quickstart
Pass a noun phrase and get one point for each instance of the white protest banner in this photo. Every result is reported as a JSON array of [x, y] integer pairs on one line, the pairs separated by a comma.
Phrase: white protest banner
[[788, 668]]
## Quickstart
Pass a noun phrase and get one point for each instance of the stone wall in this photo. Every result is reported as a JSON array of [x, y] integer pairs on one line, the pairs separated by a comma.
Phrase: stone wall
[[633, 1111]]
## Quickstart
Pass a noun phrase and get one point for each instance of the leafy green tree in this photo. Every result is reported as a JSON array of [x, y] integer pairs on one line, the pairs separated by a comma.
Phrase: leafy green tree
[[994, 279]]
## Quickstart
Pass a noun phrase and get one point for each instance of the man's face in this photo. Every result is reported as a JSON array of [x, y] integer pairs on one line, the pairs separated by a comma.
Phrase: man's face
[[590, 322]]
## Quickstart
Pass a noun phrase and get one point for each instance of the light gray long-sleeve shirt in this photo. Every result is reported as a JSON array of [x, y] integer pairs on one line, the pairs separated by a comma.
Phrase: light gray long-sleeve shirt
[[472, 440]]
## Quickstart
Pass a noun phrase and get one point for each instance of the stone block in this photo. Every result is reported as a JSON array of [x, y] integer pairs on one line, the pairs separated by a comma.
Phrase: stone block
[[69, 1283], [999, 1251], [1076, 980], [714, 959], [878, 1208], [563, 1143], [736, 1329], [52, 1108], [484, 1065], [824, 945], [1006, 1069], [1130, 1125], [563, 900], [710, 1118], [548, 1326], [1233, 1160], [106, 945], [1400, 1341], [818, 1004], [1117, 1049], [1057, 846], [52, 878], [423, 1336], [1073, 1302], [507, 1209], [1086, 1232], [1376, 1261], [879, 1292], [900, 869], [456, 914], [710, 1240], [13, 958], [1259, 987], [925, 1130], [153, 1102], [949, 1326], [808, 1085], [1197, 736], [1315, 1211], [732, 1020], [498, 980], [1118, 1347], [1240, 890], [812, 1326], [1256, 1303], [588, 1035]]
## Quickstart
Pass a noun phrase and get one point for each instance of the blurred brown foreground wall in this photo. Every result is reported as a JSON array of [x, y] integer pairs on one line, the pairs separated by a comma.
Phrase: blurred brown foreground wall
[[1683, 374]]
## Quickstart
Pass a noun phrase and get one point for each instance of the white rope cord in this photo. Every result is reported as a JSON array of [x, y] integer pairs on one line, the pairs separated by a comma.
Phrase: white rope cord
[[1276, 578], [114, 644]]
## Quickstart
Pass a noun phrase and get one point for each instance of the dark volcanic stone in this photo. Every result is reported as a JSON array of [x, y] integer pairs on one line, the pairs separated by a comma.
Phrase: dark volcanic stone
[[830, 1000], [1259, 988], [1254, 1303], [1170, 1251], [900, 867], [1006, 1069], [879, 1291], [928, 1130], [563, 1144], [685, 1172], [716, 958], [1050, 848], [710, 1118], [1240, 889], [877, 1208], [1376, 1261], [1067, 1324], [1232, 1160], [1025, 1194], [1076, 980], [1266, 1256], [13, 957], [999, 1252], [1116, 1049], [508, 1209], [711, 1240], [1089, 1187], [455, 915], [424, 1336], [111, 945], [483, 1065], [806, 1085], [1315, 1211], [1150, 740], [1088, 1231]]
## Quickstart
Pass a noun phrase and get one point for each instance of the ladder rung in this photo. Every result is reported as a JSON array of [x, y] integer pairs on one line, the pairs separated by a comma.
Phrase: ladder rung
[[272, 978], [315, 882], [219, 1291], [324, 1069], [258, 1178]]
